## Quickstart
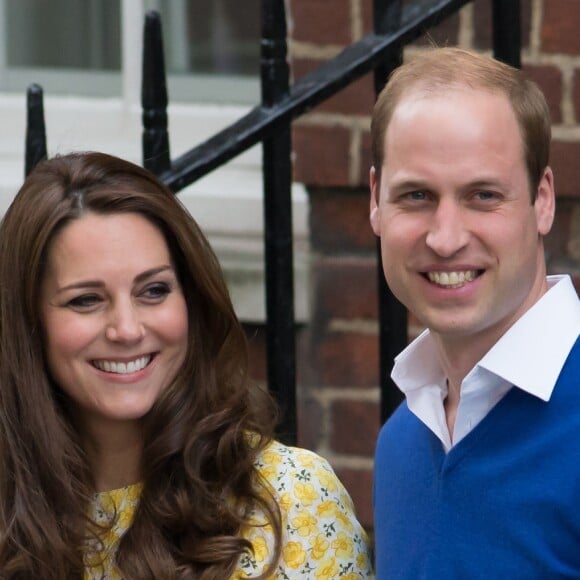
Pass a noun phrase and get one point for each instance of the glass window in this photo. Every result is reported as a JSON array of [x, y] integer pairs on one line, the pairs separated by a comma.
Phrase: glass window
[[63, 34], [74, 46], [220, 37]]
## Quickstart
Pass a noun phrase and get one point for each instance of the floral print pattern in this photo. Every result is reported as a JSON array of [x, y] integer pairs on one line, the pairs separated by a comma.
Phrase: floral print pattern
[[118, 505], [322, 540]]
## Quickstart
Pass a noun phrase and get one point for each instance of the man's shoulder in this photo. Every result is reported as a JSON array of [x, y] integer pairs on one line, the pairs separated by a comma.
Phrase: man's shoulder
[[400, 430], [571, 368]]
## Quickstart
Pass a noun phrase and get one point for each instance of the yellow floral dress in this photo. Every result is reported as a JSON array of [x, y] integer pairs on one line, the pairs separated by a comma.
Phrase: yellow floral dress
[[322, 538]]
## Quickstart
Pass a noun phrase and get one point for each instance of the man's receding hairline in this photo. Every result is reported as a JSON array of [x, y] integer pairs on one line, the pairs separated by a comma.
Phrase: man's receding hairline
[[437, 89]]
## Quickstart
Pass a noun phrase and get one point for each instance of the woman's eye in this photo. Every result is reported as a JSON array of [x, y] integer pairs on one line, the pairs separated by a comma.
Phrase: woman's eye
[[84, 301], [157, 291]]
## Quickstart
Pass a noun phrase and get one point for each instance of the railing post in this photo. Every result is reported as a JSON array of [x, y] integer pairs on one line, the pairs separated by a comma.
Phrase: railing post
[[277, 170], [507, 31], [392, 314], [156, 156], [35, 148]]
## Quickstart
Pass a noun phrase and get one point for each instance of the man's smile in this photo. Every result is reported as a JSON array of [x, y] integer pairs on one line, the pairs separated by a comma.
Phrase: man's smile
[[453, 279]]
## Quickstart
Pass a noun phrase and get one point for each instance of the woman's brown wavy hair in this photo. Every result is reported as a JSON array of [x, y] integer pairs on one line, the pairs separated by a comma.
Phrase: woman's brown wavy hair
[[200, 483]]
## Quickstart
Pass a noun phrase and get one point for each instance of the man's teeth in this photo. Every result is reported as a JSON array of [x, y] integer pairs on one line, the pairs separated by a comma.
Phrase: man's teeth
[[122, 368], [452, 279]]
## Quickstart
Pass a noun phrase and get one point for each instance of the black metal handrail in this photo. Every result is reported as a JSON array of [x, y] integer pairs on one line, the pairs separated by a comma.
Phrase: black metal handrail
[[395, 26], [333, 75], [392, 314], [35, 146], [277, 173]]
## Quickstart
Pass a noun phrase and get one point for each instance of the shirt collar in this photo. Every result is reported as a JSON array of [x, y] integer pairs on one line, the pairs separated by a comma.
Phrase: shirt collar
[[530, 354]]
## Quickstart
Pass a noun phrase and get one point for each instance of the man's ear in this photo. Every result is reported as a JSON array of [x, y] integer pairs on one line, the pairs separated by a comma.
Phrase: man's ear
[[374, 205], [545, 204]]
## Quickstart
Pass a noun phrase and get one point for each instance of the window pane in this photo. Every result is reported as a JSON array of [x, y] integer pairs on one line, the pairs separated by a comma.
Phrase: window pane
[[221, 37], [82, 34], [74, 47]]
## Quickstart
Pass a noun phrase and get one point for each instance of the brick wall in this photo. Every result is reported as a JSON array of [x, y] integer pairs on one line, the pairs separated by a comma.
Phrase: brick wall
[[338, 350]]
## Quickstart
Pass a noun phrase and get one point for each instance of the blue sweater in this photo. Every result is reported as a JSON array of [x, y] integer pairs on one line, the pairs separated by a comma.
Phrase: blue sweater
[[504, 503]]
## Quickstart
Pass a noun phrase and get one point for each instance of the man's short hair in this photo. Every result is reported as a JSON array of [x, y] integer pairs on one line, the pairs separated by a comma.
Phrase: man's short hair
[[439, 69]]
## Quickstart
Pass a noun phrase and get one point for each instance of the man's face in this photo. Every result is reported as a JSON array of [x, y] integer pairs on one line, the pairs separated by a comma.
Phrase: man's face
[[461, 242]]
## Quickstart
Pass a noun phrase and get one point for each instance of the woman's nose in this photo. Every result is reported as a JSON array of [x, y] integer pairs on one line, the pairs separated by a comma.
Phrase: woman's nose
[[125, 325]]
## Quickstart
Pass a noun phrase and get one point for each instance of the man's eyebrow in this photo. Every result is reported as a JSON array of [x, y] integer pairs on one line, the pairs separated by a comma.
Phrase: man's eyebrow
[[484, 182], [408, 185], [418, 184]]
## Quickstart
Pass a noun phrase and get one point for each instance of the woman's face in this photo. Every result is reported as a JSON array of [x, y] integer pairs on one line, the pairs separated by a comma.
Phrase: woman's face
[[114, 317]]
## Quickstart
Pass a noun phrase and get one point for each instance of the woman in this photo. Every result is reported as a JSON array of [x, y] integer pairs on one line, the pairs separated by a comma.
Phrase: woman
[[132, 443]]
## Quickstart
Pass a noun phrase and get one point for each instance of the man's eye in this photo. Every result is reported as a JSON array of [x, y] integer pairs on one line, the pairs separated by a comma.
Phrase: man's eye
[[84, 301], [417, 195], [485, 195]]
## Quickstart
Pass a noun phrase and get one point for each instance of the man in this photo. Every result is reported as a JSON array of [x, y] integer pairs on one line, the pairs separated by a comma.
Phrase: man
[[477, 474]]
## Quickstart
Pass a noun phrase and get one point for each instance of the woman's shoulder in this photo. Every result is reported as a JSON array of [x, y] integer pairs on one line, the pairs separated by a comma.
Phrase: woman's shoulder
[[288, 469], [301, 479], [276, 454], [321, 534]]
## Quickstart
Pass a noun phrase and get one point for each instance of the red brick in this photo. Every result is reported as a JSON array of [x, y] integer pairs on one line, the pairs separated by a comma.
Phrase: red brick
[[356, 99], [564, 161], [310, 423], [576, 94], [322, 155], [339, 221], [483, 27], [561, 22], [367, 16], [549, 79], [321, 21], [347, 359], [556, 242], [443, 33], [359, 484], [346, 288], [365, 158], [354, 427], [573, 245]]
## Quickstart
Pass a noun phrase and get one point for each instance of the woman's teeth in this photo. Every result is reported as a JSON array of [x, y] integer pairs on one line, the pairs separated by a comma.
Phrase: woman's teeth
[[122, 368]]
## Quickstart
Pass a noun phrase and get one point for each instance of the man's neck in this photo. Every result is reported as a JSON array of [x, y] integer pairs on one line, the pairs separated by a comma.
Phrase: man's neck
[[457, 358]]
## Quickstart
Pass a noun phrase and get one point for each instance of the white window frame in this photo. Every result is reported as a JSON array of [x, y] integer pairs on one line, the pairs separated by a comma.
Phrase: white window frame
[[227, 203]]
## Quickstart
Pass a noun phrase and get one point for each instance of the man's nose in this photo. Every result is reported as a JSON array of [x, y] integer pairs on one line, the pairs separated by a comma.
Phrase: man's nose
[[124, 324], [447, 232]]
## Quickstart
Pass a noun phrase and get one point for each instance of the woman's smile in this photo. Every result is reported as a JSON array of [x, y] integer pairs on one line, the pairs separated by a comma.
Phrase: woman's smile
[[116, 331]]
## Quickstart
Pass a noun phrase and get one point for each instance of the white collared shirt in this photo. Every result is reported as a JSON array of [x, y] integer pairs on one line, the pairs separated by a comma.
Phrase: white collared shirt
[[530, 356]]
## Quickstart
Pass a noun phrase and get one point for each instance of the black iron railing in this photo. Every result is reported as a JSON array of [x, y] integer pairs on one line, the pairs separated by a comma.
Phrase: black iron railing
[[397, 23]]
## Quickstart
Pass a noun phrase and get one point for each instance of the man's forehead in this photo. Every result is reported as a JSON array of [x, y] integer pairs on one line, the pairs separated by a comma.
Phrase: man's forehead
[[416, 101], [422, 90], [450, 125]]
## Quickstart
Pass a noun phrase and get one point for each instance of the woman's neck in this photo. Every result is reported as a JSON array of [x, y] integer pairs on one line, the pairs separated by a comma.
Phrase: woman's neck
[[114, 454]]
